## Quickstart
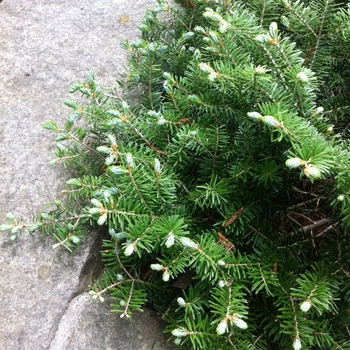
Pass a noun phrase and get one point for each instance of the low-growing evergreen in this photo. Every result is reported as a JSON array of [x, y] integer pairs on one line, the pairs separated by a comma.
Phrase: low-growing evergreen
[[220, 168]]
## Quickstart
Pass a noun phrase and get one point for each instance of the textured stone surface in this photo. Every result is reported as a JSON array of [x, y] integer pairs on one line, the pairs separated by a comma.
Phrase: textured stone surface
[[45, 46], [93, 320]]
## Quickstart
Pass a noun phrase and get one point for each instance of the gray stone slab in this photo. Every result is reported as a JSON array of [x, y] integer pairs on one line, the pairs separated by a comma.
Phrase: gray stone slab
[[45, 46], [93, 321]]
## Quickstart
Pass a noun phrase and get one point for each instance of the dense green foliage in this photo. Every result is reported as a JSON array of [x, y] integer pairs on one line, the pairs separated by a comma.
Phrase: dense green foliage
[[220, 168]]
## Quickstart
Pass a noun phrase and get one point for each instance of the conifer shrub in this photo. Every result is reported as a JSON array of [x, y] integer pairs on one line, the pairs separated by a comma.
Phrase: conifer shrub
[[220, 168]]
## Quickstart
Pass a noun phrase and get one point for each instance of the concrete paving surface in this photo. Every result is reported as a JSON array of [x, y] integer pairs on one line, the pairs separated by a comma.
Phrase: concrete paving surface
[[45, 46]]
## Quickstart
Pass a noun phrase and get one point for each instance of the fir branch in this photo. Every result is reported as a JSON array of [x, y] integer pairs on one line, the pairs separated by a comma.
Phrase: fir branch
[[127, 305], [145, 140], [317, 224], [320, 32], [295, 12], [276, 66], [137, 189]]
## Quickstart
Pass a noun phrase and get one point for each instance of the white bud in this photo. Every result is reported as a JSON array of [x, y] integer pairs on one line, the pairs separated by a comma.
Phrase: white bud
[[214, 36], [222, 284], [284, 20], [293, 162], [255, 116], [161, 121], [177, 332], [329, 130], [120, 235], [199, 30], [212, 76], [206, 68], [222, 327], [285, 3], [109, 160], [177, 341], [75, 239], [341, 197], [260, 70], [224, 26], [273, 30], [262, 38], [16, 229], [117, 170], [312, 172], [297, 344], [305, 306], [10, 217], [168, 76], [212, 15], [102, 219], [170, 240], [111, 137], [129, 160], [319, 110], [125, 106], [188, 243], [55, 246], [271, 121], [154, 114], [94, 211], [157, 168], [181, 302], [194, 99], [129, 249], [301, 76], [221, 263], [95, 202], [157, 267], [166, 276], [238, 322], [187, 36]]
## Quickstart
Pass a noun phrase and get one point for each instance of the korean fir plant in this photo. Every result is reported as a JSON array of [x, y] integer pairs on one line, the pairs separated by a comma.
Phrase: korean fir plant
[[220, 168]]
